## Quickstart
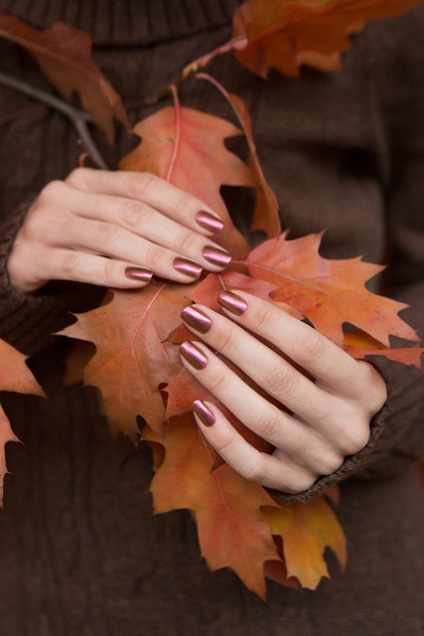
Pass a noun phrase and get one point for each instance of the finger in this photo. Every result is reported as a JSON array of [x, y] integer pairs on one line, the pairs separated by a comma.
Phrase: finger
[[141, 220], [332, 366], [303, 443], [154, 191], [281, 473], [88, 268], [117, 243], [275, 375]]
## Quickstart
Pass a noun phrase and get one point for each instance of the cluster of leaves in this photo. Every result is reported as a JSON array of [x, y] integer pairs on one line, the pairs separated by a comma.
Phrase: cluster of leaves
[[136, 333]]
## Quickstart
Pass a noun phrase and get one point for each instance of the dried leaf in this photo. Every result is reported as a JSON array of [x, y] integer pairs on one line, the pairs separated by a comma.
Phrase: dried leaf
[[327, 292], [232, 532], [64, 55], [284, 34], [306, 530], [186, 147], [131, 360], [15, 376], [359, 345]]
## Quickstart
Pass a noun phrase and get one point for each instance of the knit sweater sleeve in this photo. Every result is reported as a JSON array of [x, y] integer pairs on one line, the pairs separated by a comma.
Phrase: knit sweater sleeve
[[28, 321], [397, 432]]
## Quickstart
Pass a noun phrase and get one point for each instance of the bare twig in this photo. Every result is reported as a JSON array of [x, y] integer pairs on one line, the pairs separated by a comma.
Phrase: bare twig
[[78, 118]]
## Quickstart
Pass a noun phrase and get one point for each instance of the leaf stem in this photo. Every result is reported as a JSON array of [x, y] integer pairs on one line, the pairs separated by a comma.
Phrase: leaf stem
[[78, 118]]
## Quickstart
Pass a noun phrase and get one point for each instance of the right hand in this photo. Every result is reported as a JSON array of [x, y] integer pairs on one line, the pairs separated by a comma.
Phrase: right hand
[[114, 229]]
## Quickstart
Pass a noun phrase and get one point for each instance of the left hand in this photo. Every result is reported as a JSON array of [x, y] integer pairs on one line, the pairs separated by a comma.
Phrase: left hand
[[327, 397]]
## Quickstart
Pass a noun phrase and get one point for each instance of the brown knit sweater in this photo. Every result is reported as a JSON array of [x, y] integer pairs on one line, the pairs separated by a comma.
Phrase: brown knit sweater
[[80, 550]]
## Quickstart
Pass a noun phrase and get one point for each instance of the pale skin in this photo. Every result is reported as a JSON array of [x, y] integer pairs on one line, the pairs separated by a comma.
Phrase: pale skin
[[95, 225]]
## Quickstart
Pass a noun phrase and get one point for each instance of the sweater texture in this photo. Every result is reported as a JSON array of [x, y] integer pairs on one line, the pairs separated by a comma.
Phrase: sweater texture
[[81, 552]]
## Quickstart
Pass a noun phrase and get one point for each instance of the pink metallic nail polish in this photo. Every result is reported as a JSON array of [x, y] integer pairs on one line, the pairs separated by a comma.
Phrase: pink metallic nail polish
[[138, 273], [208, 221], [216, 256], [232, 302], [186, 267], [196, 319], [204, 414], [193, 355]]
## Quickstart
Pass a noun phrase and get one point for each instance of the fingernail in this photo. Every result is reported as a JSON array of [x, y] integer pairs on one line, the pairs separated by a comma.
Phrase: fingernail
[[208, 221], [187, 267], [196, 319], [193, 355], [232, 302], [138, 273], [204, 414], [216, 256]]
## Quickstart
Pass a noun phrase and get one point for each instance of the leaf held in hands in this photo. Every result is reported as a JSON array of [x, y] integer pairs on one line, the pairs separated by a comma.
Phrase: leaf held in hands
[[306, 530], [359, 345], [186, 147], [284, 34], [64, 55], [131, 360], [327, 292], [14, 376], [227, 508]]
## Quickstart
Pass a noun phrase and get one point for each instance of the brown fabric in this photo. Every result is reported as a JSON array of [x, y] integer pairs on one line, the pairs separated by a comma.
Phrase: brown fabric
[[80, 550]]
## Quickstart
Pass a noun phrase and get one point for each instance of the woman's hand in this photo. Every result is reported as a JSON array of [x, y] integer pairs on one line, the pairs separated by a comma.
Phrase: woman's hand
[[114, 229], [327, 398]]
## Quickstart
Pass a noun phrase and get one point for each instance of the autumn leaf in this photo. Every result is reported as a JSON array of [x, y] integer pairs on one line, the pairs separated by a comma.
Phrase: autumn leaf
[[284, 34], [327, 292], [131, 360], [359, 345], [15, 376], [186, 147], [306, 530], [64, 55], [266, 215], [227, 508]]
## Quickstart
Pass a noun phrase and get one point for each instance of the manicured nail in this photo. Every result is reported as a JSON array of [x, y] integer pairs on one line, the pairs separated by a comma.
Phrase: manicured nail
[[187, 267], [232, 302], [208, 221], [193, 355], [204, 414], [216, 256], [196, 319], [138, 273]]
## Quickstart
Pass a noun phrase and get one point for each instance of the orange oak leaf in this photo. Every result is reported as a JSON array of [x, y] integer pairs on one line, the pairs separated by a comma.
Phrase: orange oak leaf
[[131, 359], [327, 292], [284, 34], [306, 530], [266, 216], [14, 376], [359, 345], [227, 508], [64, 55], [186, 147]]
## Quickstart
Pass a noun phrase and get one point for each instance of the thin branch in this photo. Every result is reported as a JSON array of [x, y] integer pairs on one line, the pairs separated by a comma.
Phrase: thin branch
[[78, 118]]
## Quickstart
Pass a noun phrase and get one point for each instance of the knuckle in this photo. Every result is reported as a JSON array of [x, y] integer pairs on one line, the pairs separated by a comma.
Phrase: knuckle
[[311, 347], [144, 183], [263, 316], [70, 262], [355, 437], [253, 470], [78, 175], [280, 379], [270, 426], [52, 192], [300, 482], [329, 463], [108, 235], [218, 382], [132, 213], [185, 242]]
